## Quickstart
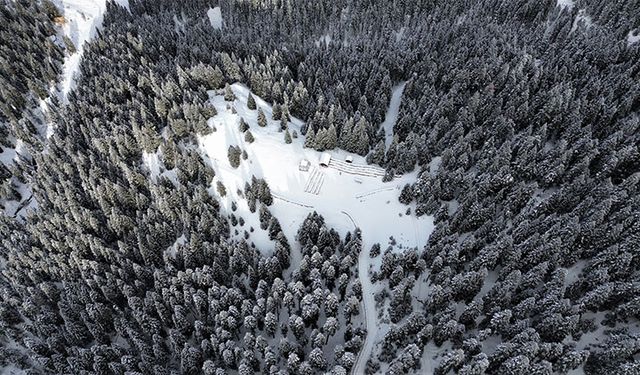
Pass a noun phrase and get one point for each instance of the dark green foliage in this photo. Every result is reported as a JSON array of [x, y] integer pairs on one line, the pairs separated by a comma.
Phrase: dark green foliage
[[243, 126], [228, 93], [262, 119], [248, 137], [406, 196], [221, 189], [233, 154], [287, 137], [251, 102]]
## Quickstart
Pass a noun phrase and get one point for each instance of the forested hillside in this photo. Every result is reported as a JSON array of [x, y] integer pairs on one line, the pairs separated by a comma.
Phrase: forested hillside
[[519, 120], [30, 62]]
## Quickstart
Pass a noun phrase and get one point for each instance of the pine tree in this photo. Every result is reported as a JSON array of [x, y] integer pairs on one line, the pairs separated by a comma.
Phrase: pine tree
[[287, 137], [262, 119], [248, 137], [233, 154], [221, 189], [251, 102], [346, 141], [376, 156], [361, 138], [242, 126], [276, 112], [331, 138], [229, 96], [321, 140], [310, 139]]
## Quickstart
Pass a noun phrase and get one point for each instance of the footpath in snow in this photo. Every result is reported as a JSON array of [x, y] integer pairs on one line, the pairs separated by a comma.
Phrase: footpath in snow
[[82, 19], [392, 113]]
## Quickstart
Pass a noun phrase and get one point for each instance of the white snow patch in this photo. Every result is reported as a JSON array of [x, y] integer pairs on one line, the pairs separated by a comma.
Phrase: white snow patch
[[345, 200], [633, 37], [123, 3], [7, 156], [325, 39], [582, 17], [392, 113], [399, 34], [11, 369], [215, 17], [152, 162], [566, 4], [434, 165], [173, 249]]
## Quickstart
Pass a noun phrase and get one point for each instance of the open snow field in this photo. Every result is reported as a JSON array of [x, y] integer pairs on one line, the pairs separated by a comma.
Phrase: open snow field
[[215, 18], [344, 199]]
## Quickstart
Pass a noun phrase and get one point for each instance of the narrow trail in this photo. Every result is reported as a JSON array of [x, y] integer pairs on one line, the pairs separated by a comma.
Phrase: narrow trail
[[369, 307], [392, 113]]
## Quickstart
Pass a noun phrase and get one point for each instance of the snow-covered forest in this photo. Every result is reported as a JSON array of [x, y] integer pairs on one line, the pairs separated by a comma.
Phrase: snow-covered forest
[[320, 187]]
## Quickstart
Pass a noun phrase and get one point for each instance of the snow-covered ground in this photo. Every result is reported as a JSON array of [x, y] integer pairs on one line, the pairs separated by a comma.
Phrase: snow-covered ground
[[582, 17], [565, 4], [633, 37], [345, 200], [392, 113], [215, 17], [342, 197]]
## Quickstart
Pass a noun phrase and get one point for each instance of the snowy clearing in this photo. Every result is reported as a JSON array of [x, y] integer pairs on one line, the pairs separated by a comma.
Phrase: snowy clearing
[[371, 203], [215, 17], [392, 113]]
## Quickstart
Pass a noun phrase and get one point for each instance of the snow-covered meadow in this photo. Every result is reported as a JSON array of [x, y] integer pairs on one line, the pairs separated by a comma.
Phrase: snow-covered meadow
[[345, 200]]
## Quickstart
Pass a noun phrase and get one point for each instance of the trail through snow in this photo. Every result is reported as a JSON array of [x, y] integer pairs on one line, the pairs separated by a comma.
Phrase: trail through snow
[[82, 18], [369, 309], [392, 113]]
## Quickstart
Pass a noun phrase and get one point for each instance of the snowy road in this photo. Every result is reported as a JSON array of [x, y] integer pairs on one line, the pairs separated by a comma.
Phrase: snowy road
[[369, 307]]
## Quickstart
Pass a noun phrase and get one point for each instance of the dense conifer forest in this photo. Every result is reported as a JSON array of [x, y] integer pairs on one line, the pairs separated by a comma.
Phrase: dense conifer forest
[[520, 120]]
